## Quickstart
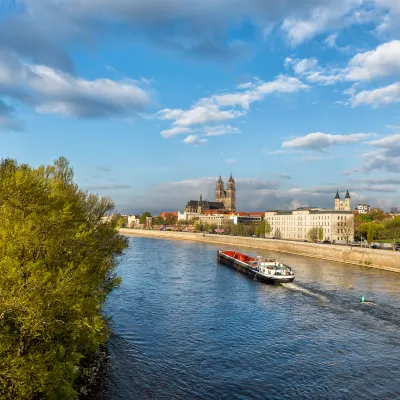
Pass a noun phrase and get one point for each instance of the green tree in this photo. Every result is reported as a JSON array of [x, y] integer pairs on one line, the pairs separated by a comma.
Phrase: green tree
[[312, 234], [193, 220], [157, 220], [57, 266], [378, 215], [268, 228], [119, 221], [370, 231], [391, 231], [171, 220], [320, 233], [263, 229], [142, 219], [364, 218]]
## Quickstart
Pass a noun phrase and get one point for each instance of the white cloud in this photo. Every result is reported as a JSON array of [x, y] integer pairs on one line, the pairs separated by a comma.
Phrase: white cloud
[[331, 39], [305, 65], [389, 23], [198, 114], [388, 142], [383, 61], [377, 97], [309, 69], [243, 99], [177, 130], [195, 140], [56, 92], [385, 157], [230, 161], [321, 18], [220, 130], [227, 106], [247, 85], [320, 141]]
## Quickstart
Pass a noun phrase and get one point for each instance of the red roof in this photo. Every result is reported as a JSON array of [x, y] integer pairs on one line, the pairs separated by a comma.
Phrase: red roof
[[257, 214], [213, 212], [169, 214], [241, 214]]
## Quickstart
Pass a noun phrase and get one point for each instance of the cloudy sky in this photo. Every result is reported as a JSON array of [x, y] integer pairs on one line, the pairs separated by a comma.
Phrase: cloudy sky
[[152, 100]]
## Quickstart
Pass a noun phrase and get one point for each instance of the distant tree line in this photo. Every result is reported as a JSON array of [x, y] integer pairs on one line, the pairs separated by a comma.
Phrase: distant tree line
[[378, 226]]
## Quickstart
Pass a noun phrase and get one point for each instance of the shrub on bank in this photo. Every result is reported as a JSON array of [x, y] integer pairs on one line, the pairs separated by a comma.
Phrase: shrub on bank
[[57, 266]]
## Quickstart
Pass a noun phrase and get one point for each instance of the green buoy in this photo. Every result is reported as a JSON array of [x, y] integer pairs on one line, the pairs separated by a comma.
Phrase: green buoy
[[362, 299]]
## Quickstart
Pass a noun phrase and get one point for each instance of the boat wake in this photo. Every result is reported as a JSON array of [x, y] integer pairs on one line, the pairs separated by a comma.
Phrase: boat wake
[[339, 302], [297, 288]]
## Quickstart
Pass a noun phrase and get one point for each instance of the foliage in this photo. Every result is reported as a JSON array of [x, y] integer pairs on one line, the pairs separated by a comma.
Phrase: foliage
[[57, 266], [193, 220], [263, 228], [157, 220], [320, 233], [370, 231], [378, 215], [171, 220], [119, 221], [362, 218], [142, 219], [391, 230], [313, 233]]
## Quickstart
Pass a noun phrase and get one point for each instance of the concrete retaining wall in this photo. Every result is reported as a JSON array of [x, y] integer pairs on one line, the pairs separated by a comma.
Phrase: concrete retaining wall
[[374, 258]]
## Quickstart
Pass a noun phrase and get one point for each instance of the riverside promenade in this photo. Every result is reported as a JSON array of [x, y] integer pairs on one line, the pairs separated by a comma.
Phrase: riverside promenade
[[372, 258]]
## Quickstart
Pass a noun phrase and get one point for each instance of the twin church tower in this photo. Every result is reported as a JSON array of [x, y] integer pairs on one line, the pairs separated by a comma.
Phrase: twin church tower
[[343, 205], [226, 197], [225, 200]]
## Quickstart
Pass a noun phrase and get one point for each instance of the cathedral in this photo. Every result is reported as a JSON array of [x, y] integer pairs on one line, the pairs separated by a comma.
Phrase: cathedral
[[225, 200], [342, 205]]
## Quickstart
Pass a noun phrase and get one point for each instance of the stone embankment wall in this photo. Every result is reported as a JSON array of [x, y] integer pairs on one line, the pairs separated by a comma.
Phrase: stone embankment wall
[[374, 258]]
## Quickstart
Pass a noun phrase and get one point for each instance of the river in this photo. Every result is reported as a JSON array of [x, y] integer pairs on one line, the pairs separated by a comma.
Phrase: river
[[184, 327]]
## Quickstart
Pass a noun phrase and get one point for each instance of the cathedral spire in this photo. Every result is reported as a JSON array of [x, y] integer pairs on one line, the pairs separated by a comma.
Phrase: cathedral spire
[[347, 194], [337, 197]]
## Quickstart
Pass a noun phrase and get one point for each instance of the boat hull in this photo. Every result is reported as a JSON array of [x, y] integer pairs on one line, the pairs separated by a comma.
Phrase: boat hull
[[246, 269]]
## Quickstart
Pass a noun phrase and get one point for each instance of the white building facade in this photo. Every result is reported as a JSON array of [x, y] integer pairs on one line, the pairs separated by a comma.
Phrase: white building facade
[[215, 219], [363, 208], [244, 219], [133, 221], [337, 225]]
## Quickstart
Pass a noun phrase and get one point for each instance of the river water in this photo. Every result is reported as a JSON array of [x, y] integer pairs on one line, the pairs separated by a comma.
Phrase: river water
[[184, 327]]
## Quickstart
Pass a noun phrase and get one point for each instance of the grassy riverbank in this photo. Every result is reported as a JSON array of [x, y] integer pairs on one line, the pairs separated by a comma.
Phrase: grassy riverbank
[[372, 258]]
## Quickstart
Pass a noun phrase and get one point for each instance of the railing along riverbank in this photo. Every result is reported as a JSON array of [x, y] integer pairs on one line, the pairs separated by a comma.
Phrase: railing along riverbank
[[373, 258]]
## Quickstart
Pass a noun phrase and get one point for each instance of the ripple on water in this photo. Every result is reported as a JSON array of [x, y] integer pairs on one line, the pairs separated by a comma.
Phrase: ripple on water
[[187, 328]]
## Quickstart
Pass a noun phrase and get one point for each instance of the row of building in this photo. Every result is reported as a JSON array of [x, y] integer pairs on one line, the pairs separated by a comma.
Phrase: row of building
[[336, 224]]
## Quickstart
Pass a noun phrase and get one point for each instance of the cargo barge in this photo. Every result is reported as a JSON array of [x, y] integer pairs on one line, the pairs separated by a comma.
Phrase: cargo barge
[[259, 268]]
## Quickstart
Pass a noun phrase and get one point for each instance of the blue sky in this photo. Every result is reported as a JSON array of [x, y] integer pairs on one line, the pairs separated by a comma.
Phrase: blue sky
[[152, 100]]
